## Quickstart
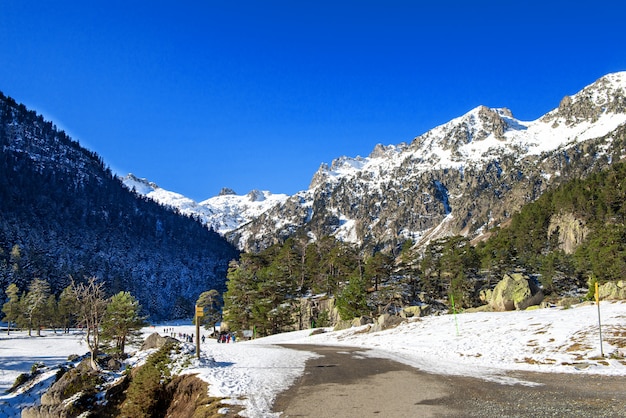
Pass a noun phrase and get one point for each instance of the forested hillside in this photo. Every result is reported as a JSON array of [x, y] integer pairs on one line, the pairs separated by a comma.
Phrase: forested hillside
[[572, 234], [64, 215], [567, 239]]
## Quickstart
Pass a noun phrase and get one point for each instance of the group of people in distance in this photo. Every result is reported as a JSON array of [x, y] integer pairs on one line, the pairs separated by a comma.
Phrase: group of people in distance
[[225, 337], [222, 337]]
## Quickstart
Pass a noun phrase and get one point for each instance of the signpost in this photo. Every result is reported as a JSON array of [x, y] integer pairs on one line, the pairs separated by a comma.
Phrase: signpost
[[599, 321], [199, 313]]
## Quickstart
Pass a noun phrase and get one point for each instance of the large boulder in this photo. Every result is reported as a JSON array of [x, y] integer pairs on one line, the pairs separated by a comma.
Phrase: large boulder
[[154, 340], [615, 290], [69, 396], [361, 320], [515, 291], [416, 311], [386, 321]]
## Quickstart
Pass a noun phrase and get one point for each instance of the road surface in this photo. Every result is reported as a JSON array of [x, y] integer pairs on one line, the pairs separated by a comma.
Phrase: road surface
[[344, 383]]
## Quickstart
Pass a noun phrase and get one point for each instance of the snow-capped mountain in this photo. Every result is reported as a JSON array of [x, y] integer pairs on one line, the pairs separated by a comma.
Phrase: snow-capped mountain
[[458, 178], [461, 177], [223, 213]]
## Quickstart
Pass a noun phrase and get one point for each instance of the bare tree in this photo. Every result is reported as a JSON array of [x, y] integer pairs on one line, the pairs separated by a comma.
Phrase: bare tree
[[91, 308]]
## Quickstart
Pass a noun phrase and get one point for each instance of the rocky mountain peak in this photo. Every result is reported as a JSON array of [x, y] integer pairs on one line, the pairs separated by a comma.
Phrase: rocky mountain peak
[[458, 178], [130, 178], [461, 177], [256, 196], [386, 151], [466, 135], [606, 96], [226, 191]]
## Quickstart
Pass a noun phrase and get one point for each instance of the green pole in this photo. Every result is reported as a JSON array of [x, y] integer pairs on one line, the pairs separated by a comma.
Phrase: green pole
[[456, 322]]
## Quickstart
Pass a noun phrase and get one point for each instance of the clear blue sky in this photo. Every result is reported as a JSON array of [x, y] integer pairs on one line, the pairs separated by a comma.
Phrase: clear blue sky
[[200, 95]]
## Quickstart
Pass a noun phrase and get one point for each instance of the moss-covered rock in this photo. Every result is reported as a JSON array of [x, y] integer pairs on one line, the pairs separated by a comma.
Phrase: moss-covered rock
[[515, 291]]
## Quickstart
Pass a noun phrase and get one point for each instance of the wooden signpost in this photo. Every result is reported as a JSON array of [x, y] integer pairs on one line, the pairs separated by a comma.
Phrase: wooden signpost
[[199, 313]]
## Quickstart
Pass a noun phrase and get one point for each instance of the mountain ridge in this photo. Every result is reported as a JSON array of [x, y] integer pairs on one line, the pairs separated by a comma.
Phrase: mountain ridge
[[459, 177], [64, 216]]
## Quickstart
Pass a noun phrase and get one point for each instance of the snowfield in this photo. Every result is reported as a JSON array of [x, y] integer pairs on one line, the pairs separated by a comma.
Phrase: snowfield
[[483, 345]]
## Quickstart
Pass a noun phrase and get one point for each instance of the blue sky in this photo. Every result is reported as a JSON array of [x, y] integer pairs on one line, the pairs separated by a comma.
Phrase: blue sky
[[200, 95]]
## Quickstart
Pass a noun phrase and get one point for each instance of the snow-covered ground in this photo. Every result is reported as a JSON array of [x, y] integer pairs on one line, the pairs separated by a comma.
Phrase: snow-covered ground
[[484, 345]]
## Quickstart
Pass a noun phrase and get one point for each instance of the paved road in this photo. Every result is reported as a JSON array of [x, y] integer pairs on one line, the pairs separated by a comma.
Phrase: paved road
[[344, 383]]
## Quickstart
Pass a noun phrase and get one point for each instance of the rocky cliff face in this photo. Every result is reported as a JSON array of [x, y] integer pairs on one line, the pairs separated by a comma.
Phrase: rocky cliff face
[[459, 178]]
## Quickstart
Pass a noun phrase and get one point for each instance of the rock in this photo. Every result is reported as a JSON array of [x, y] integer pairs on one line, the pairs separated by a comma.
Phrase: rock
[[386, 321], [154, 340], [485, 295], [73, 378], [515, 291], [571, 231], [342, 324], [615, 290], [114, 364], [415, 311], [360, 321], [69, 396], [483, 308], [313, 309]]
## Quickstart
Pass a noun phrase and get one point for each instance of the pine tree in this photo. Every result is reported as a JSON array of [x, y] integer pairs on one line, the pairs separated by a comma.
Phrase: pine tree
[[241, 292], [352, 300], [11, 306], [67, 306], [209, 301], [122, 322], [34, 305]]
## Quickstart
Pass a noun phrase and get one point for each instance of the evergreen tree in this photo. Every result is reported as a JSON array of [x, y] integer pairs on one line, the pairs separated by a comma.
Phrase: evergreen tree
[[67, 306], [450, 265], [408, 269], [122, 323], [241, 292], [460, 264], [35, 306], [11, 306], [53, 319], [378, 268], [209, 301], [352, 300]]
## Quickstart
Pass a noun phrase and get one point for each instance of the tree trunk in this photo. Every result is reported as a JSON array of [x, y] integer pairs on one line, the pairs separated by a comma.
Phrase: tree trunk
[[93, 363]]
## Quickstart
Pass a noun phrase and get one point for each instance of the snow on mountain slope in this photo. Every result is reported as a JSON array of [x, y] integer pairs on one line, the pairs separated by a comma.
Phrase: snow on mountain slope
[[459, 177], [222, 213], [481, 133], [460, 173]]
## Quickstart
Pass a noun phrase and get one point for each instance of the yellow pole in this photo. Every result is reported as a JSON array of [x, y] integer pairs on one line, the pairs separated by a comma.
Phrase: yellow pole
[[599, 321]]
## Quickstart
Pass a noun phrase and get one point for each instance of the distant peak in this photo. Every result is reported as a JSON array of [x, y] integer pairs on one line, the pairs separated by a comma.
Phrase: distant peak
[[382, 151], [256, 196], [131, 177], [605, 96], [483, 110], [226, 191]]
